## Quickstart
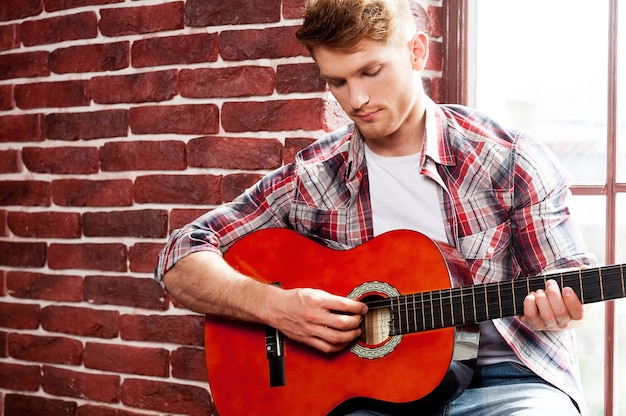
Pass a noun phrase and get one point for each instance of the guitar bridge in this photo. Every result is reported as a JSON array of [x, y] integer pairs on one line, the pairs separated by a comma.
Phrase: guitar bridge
[[275, 356], [274, 350]]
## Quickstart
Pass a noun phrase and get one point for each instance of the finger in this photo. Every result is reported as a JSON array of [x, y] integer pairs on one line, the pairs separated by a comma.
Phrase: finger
[[337, 339], [546, 312], [531, 315], [342, 322], [558, 311], [573, 304], [348, 306]]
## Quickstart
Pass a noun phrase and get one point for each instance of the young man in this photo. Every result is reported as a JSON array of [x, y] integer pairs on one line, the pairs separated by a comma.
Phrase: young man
[[448, 172]]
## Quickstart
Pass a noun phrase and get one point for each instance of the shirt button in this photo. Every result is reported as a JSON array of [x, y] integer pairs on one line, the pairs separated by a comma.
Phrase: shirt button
[[490, 250]]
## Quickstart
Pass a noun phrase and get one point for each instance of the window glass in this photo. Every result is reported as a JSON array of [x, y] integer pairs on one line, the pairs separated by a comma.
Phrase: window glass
[[542, 66], [621, 98]]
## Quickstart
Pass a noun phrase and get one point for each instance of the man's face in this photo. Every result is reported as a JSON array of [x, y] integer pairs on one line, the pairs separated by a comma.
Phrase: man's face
[[375, 83]]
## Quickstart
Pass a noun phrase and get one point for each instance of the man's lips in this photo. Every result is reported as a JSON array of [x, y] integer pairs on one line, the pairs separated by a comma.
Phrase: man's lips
[[367, 115]]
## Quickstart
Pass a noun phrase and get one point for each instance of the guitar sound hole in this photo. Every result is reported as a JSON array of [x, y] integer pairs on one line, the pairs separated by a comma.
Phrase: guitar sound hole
[[376, 324]]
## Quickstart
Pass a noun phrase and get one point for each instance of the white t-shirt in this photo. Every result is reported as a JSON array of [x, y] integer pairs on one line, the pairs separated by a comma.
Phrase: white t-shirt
[[402, 198]]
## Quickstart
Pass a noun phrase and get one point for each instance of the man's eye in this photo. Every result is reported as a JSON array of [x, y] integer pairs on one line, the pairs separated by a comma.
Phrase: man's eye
[[336, 83], [373, 73]]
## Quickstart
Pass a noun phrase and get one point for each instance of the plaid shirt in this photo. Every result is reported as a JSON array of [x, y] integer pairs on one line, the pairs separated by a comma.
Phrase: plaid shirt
[[503, 199]]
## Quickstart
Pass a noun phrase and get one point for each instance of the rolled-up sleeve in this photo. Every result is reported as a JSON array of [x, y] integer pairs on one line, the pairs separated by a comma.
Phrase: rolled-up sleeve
[[264, 205]]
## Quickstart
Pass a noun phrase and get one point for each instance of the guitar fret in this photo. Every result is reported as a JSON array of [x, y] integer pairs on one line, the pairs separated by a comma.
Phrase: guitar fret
[[463, 305], [622, 274], [413, 308], [601, 281], [582, 292], [406, 314]]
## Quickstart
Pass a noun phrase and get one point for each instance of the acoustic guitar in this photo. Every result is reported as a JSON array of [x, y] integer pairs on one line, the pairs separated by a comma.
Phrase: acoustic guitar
[[420, 335]]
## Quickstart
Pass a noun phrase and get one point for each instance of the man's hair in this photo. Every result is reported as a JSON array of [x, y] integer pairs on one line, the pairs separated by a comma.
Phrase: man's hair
[[341, 24]]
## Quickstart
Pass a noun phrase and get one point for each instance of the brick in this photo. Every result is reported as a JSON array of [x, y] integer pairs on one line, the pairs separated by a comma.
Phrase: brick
[[45, 224], [235, 184], [86, 126], [272, 43], [4, 231], [177, 119], [56, 5], [19, 254], [13, 10], [6, 97], [24, 65], [3, 279], [143, 155], [10, 161], [21, 128], [189, 364], [293, 9], [134, 88], [435, 56], [167, 397], [19, 316], [299, 78], [127, 359], [52, 94], [98, 387], [9, 37], [234, 153], [26, 193], [200, 13], [60, 288], [105, 257], [143, 257], [91, 58], [179, 329], [4, 348], [116, 22], [182, 217], [80, 321], [47, 349], [436, 17], [279, 115], [135, 292], [60, 28], [179, 189], [226, 82], [88, 193], [182, 49], [293, 145], [19, 377], [147, 223], [61, 160], [19, 404]]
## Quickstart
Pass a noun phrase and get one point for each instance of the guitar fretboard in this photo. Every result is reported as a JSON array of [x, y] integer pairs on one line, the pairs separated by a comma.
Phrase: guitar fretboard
[[471, 304]]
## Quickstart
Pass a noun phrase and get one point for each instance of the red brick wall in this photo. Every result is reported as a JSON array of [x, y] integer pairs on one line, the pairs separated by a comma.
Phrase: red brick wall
[[120, 121]]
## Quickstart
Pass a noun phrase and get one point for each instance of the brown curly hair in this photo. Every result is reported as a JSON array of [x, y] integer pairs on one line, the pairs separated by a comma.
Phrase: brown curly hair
[[341, 24]]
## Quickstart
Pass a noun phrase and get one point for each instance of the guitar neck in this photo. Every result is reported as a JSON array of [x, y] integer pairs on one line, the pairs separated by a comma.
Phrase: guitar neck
[[471, 304]]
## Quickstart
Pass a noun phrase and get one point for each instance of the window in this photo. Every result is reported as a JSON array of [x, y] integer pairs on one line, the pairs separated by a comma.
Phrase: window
[[552, 67]]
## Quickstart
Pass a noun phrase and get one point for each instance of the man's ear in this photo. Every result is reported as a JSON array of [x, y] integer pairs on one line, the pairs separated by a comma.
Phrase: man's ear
[[419, 50]]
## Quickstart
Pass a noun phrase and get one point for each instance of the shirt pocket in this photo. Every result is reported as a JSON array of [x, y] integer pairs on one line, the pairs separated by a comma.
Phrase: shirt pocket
[[486, 244]]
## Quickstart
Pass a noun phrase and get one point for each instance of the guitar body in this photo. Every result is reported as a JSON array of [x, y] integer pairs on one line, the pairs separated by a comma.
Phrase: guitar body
[[400, 369]]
